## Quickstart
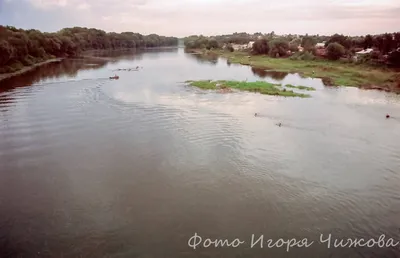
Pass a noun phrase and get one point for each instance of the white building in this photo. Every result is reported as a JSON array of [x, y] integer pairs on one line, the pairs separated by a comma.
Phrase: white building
[[365, 51], [362, 52], [250, 45]]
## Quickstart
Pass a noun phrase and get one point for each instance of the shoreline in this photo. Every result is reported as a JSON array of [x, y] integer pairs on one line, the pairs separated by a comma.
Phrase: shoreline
[[332, 73], [26, 69], [87, 55]]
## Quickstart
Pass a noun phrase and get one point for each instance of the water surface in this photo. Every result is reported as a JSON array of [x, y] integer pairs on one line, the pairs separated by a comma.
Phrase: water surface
[[92, 167]]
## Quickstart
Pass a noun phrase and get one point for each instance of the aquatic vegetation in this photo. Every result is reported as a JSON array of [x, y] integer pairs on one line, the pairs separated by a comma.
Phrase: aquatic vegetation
[[300, 87], [258, 86]]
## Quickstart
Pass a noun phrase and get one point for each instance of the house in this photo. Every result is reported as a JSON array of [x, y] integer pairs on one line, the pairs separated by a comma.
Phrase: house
[[320, 45], [239, 46], [365, 51], [362, 52]]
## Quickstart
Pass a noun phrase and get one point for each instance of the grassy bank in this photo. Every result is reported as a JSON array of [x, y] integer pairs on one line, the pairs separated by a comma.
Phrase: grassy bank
[[333, 73], [259, 86], [28, 68], [300, 87]]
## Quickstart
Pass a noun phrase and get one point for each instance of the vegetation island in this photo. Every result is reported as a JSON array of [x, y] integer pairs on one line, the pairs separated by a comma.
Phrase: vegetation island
[[369, 62], [262, 87]]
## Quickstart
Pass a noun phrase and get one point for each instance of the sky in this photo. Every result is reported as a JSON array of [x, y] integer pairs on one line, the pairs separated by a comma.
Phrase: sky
[[208, 17]]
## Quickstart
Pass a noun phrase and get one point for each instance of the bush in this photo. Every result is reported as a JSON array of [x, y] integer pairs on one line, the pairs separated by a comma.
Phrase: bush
[[278, 47], [260, 47], [16, 66], [376, 55], [334, 51], [312, 50], [394, 58], [230, 48], [364, 58], [293, 46], [212, 44], [374, 58], [29, 60], [303, 56]]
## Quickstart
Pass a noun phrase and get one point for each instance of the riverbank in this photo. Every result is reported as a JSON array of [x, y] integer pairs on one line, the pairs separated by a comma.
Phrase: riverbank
[[28, 68], [332, 73]]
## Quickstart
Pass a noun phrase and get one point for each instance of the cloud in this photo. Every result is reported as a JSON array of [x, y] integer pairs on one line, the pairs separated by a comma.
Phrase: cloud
[[83, 6], [44, 4], [185, 17]]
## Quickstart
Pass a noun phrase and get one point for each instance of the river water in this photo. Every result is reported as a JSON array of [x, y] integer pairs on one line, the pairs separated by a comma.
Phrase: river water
[[92, 167]]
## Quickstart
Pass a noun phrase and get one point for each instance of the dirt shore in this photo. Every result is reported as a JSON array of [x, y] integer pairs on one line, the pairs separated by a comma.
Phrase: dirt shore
[[28, 68]]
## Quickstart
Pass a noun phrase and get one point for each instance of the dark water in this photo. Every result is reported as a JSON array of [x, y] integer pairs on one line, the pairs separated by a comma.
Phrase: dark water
[[92, 167]]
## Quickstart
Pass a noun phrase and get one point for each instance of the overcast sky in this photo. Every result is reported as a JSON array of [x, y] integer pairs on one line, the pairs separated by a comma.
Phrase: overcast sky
[[207, 17]]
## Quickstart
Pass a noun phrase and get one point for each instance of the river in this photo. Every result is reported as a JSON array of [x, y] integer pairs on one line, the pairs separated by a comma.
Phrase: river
[[92, 167]]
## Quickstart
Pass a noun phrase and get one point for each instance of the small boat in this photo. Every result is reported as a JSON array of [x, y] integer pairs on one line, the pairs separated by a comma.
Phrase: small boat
[[115, 77]]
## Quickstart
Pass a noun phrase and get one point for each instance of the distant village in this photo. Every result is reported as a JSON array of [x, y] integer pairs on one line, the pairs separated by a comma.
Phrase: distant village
[[320, 49], [377, 49]]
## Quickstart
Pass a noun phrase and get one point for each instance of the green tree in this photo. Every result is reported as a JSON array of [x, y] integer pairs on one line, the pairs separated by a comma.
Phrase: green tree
[[260, 47], [230, 48], [379, 43], [308, 42], [293, 46], [394, 58], [397, 39], [341, 39], [388, 43], [6, 52], [334, 51], [368, 41], [278, 47], [212, 44]]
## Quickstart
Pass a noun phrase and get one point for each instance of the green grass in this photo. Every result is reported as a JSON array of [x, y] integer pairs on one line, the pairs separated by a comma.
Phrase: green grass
[[333, 73], [300, 87], [205, 85], [259, 86]]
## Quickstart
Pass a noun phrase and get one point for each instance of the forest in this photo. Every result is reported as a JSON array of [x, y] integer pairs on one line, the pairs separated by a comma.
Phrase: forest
[[19, 47]]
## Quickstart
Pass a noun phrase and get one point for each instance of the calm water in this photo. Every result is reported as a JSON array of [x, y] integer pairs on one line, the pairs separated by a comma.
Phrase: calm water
[[92, 167]]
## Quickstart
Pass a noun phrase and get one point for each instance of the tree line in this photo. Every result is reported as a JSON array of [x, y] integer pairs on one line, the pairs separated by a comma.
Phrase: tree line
[[20, 47], [386, 46]]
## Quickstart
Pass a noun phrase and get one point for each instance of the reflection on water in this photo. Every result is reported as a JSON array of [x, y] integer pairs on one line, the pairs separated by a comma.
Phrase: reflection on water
[[130, 53], [262, 73], [92, 167], [209, 59], [68, 68]]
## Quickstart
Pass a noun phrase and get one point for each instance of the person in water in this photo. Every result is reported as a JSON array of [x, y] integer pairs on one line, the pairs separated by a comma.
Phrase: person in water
[[255, 114], [280, 124], [387, 116]]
